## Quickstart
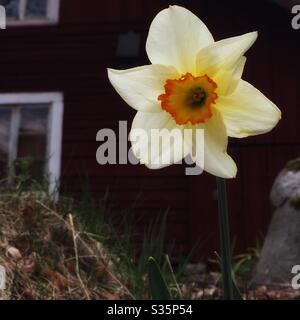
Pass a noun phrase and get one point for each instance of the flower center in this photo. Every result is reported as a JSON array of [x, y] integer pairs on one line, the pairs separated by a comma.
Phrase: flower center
[[198, 97], [189, 98]]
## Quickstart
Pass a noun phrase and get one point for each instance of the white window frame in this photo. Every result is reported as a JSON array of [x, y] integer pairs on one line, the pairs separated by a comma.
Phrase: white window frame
[[52, 15], [55, 127]]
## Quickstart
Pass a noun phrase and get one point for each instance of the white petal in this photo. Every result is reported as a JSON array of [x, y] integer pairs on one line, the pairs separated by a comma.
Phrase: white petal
[[155, 155], [247, 112], [224, 54], [175, 37], [228, 79], [216, 159], [141, 86]]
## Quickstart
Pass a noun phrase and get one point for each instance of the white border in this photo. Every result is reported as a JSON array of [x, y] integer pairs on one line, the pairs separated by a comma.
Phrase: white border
[[55, 133], [52, 17]]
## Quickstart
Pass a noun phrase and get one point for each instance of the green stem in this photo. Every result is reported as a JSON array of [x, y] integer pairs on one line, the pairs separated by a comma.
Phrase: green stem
[[225, 240]]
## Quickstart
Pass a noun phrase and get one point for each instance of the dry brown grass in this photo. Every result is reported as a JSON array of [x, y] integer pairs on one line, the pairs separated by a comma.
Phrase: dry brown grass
[[48, 256]]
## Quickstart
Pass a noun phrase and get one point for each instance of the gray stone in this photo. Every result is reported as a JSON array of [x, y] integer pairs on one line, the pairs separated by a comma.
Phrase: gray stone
[[281, 249], [285, 186], [194, 271]]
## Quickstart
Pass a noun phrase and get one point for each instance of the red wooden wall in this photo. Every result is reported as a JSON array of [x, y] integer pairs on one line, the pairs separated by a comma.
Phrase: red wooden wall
[[72, 57]]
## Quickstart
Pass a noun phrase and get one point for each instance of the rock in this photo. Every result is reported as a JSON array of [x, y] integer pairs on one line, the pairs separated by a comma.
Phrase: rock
[[281, 249], [194, 271], [286, 184], [14, 254]]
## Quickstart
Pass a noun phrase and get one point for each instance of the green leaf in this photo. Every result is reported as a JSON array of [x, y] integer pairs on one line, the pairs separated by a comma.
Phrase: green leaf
[[237, 295], [157, 284]]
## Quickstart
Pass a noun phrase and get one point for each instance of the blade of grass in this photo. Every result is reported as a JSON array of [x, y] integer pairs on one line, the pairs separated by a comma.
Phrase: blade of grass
[[157, 284], [174, 277], [225, 240]]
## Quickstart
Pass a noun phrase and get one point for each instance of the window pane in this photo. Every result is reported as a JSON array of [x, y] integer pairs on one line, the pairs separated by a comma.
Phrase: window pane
[[12, 8], [36, 8], [33, 137], [5, 117]]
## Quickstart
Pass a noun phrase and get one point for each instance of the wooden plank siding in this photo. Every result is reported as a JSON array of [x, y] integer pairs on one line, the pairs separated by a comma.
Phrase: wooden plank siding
[[72, 57]]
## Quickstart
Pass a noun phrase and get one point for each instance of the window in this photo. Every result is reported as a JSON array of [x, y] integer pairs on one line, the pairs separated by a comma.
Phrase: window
[[31, 126], [31, 12]]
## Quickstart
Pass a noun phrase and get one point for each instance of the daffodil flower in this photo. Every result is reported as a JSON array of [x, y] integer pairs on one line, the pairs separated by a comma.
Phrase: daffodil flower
[[194, 82]]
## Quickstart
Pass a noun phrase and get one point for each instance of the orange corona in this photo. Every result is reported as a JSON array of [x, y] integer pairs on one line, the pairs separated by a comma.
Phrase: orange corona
[[189, 98]]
